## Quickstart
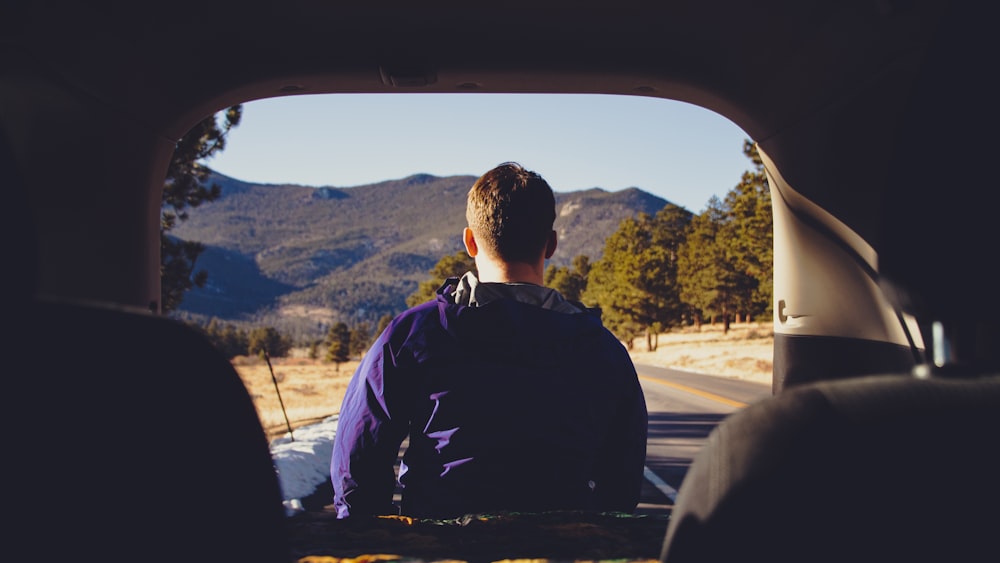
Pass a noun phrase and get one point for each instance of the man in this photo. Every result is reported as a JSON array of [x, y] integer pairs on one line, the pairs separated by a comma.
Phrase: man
[[512, 397]]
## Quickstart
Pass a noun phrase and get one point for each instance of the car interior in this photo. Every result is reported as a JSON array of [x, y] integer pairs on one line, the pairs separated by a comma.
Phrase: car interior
[[876, 121]]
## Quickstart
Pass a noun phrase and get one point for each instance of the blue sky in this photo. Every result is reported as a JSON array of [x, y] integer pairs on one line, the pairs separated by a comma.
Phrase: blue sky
[[678, 151]]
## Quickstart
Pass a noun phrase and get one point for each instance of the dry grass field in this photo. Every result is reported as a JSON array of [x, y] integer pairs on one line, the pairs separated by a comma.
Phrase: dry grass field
[[745, 352], [312, 389]]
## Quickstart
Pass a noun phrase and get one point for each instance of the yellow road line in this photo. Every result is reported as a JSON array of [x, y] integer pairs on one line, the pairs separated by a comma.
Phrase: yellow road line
[[699, 392]]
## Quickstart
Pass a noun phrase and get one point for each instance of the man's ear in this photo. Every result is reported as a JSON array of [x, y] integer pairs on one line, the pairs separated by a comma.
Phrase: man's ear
[[470, 242], [550, 245]]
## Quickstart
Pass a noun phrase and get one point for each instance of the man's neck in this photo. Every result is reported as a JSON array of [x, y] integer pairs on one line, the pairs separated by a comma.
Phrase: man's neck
[[494, 271]]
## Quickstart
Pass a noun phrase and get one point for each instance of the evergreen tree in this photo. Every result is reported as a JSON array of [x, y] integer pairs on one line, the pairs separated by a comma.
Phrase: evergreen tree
[[750, 235], [361, 338], [268, 339], [185, 187], [698, 264], [571, 283], [635, 281], [710, 281], [338, 344], [659, 272], [581, 267], [726, 265], [454, 265], [383, 322], [608, 285], [227, 338]]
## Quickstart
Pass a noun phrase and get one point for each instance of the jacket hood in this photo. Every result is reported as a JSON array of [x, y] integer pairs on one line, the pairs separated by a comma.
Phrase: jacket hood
[[515, 320], [470, 292]]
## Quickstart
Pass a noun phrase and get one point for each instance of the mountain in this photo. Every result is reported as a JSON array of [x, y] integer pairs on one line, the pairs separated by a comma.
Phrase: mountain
[[299, 258]]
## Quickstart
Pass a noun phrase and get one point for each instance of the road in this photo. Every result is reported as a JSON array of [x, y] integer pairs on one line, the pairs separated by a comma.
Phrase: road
[[683, 409]]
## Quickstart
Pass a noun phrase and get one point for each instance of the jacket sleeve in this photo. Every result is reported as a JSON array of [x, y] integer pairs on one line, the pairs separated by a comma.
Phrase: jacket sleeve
[[367, 441], [623, 460]]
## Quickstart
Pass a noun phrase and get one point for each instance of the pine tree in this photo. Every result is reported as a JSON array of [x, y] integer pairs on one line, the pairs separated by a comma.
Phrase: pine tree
[[710, 280], [338, 342], [268, 339], [361, 338], [750, 234], [635, 281], [227, 338], [659, 272], [454, 265], [383, 322], [185, 187], [726, 266], [609, 284]]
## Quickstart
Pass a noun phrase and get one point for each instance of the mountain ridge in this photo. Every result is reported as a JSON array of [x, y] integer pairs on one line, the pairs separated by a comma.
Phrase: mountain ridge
[[300, 258]]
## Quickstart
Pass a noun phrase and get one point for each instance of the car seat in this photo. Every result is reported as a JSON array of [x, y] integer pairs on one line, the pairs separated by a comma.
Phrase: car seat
[[128, 437]]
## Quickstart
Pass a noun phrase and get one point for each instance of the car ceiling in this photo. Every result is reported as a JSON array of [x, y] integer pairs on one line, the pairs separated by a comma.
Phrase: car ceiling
[[819, 85]]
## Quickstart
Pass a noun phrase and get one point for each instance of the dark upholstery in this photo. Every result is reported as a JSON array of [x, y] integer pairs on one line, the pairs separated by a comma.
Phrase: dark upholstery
[[18, 231], [886, 468], [127, 436], [881, 468], [130, 438]]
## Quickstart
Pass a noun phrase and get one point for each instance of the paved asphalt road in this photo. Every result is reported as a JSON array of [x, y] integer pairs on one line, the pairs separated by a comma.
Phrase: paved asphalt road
[[683, 409]]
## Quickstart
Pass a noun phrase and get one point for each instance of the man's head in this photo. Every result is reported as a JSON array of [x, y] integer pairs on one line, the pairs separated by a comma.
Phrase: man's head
[[510, 211]]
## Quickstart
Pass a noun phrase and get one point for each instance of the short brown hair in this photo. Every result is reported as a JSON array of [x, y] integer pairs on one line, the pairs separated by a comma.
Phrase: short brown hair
[[511, 211]]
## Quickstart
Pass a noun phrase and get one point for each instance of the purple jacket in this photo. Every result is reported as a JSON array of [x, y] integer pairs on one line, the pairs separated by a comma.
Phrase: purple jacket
[[506, 406]]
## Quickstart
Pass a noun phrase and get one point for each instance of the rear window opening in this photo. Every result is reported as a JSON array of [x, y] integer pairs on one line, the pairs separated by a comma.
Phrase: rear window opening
[[273, 265]]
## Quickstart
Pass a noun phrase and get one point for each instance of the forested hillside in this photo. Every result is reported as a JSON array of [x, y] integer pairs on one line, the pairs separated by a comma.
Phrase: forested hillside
[[300, 258]]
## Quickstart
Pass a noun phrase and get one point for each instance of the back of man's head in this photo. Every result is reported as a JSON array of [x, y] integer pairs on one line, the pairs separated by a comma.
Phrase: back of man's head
[[511, 211]]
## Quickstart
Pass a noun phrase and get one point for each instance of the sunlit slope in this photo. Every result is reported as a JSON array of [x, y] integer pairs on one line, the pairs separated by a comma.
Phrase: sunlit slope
[[357, 252]]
